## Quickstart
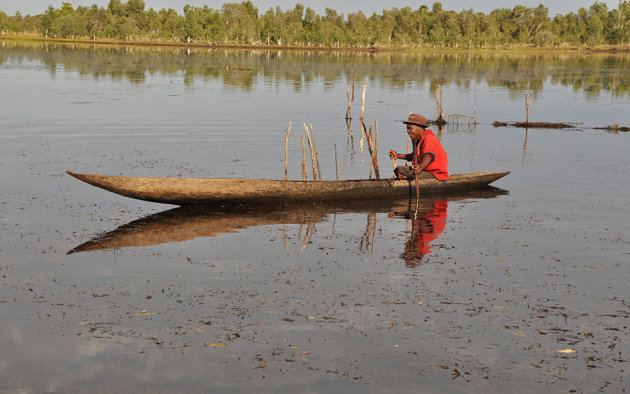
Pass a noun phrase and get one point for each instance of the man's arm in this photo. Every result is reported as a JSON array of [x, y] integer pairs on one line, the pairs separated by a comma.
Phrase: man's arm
[[394, 155], [427, 158]]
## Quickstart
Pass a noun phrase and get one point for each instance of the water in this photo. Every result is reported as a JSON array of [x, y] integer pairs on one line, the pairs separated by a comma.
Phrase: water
[[322, 298]]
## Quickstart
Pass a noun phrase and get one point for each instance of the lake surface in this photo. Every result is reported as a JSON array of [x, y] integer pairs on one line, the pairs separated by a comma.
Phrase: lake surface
[[482, 292]]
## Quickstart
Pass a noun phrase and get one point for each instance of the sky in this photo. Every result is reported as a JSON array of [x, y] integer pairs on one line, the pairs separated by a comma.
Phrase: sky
[[34, 7]]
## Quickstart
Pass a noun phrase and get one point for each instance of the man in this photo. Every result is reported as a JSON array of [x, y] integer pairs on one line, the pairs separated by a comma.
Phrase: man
[[431, 158]]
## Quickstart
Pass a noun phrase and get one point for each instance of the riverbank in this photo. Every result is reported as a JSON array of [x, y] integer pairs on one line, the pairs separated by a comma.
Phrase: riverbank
[[378, 48]]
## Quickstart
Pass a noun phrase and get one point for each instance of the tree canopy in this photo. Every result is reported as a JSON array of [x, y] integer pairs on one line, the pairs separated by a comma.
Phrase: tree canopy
[[242, 23]]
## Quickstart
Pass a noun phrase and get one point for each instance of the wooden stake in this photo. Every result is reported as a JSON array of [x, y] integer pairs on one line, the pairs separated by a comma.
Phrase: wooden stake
[[286, 151], [376, 146], [304, 163], [319, 171], [310, 146], [364, 133], [336, 167], [438, 102], [363, 102], [350, 100], [528, 100], [369, 138], [441, 107]]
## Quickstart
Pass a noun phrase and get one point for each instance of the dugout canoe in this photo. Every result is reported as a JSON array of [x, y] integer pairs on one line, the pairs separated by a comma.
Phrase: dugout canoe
[[211, 191]]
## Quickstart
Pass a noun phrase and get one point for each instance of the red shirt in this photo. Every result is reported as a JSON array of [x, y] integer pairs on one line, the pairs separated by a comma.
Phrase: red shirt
[[429, 144]]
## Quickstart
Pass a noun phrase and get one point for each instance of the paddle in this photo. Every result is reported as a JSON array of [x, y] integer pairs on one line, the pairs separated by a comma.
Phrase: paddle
[[415, 162]]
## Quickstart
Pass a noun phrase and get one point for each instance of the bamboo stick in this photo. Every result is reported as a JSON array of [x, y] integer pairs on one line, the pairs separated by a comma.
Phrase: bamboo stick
[[286, 151], [304, 163]]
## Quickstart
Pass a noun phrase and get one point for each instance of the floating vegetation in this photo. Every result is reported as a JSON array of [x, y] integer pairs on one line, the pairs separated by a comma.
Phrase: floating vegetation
[[550, 125], [536, 125], [614, 127]]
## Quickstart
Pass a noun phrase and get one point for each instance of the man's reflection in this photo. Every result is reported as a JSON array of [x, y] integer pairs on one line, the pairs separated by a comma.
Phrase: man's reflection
[[426, 227]]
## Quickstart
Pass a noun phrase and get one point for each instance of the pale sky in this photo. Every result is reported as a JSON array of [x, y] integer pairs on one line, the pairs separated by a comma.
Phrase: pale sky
[[33, 7]]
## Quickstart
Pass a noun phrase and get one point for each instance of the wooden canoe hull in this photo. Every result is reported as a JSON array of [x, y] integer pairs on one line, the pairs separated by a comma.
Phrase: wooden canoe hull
[[209, 191]]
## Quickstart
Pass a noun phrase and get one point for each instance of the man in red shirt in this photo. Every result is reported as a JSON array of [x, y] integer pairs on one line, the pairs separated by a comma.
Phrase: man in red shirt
[[431, 158]]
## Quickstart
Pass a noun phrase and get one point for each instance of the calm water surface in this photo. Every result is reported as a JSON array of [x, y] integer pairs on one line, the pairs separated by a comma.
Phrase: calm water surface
[[480, 293]]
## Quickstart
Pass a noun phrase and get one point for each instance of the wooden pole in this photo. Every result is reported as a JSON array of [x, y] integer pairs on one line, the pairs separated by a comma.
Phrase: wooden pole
[[415, 162], [363, 102], [336, 167], [408, 141], [350, 100], [286, 151], [319, 171], [528, 100], [310, 146], [304, 163], [365, 134], [376, 147], [438, 102], [369, 138]]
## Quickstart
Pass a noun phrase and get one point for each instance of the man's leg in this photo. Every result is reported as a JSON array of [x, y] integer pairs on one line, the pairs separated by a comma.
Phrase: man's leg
[[404, 172]]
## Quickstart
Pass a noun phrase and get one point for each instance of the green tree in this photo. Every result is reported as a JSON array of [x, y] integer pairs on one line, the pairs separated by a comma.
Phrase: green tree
[[193, 28], [596, 17], [4, 23], [116, 8], [240, 21]]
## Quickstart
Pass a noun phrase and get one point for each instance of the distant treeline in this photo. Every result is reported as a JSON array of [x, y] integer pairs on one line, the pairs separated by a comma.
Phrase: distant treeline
[[241, 23]]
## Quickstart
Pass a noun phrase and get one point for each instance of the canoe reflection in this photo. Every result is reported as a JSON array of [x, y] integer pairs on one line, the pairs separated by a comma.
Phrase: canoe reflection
[[187, 223]]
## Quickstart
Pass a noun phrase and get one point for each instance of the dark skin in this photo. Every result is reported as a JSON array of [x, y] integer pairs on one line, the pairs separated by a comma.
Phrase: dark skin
[[415, 132]]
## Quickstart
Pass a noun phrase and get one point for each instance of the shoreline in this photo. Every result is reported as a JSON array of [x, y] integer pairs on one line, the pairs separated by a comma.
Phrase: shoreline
[[612, 49]]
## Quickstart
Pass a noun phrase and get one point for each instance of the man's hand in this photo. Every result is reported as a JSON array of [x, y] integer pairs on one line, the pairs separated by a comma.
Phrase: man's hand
[[393, 154]]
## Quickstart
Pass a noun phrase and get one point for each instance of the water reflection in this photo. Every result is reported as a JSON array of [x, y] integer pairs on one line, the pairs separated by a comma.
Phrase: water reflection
[[426, 226], [242, 69], [187, 223]]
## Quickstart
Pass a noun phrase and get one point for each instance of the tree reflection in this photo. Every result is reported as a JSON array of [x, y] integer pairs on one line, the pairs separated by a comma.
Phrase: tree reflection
[[242, 69]]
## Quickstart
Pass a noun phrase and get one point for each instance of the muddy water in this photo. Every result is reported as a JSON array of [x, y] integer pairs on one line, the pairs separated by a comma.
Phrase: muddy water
[[481, 292]]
